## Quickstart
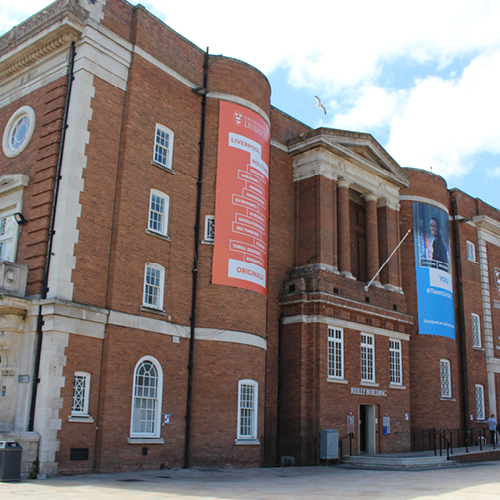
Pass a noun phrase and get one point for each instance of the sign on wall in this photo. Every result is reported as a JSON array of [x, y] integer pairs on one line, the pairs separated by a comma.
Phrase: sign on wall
[[241, 200], [436, 312]]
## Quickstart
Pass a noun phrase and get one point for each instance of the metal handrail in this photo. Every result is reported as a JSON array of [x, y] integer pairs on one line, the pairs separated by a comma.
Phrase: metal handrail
[[448, 445], [350, 435]]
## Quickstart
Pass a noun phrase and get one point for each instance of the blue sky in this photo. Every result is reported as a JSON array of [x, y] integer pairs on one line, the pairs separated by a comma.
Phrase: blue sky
[[422, 78]]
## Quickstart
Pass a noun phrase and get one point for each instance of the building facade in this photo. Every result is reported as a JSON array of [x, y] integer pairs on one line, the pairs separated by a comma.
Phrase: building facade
[[190, 276]]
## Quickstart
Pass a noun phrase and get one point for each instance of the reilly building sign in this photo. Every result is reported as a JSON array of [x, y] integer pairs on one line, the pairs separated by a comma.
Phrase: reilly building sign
[[363, 391]]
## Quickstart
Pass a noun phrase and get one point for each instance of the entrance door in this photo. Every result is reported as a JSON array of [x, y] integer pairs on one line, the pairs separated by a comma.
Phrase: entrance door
[[367, 440]]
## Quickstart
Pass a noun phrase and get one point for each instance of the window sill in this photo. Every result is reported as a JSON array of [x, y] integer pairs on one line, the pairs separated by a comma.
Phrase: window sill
[[447, 399], [337, 380], [145, 440], [153, 310], [207, 242], [158, 235], [246, 441], [397, 386], [163, 167], [478, 348], [368, 383], [83, 419]]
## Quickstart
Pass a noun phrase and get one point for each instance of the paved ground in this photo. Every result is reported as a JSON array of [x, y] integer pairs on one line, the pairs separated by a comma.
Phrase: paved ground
[[475, 481]]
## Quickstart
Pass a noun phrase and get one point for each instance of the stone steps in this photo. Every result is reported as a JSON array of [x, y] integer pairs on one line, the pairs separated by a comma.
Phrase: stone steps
[[397, 463]]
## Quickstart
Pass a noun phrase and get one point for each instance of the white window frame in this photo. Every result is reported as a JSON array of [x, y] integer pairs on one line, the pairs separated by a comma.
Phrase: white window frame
[[80, 409], [249, 433], [162, 155], [335, 353], [471, 251], [480, 411], [367, 358], [445, 378], [9, 231], [209, 228], [159, 273], [156, 217], [154, 400], [11, 202], [395, 362], [9, 148], [476, 330]]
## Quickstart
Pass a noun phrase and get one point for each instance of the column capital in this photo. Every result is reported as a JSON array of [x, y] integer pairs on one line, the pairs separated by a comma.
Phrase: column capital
[[342, 182], [370, 197]]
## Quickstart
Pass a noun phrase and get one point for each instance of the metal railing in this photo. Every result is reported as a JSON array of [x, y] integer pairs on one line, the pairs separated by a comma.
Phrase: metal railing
[[434, 440], [350, 435]]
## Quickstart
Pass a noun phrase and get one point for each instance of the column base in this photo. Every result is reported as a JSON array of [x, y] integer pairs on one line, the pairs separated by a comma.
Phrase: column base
[[347, 274]]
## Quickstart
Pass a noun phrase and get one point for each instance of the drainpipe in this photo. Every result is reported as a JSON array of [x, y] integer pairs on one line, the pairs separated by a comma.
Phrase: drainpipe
[[45, 289], [202, 91], [461, 319], [280, 393]]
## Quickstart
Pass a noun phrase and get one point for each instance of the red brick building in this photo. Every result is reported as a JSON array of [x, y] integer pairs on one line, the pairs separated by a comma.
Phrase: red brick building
[[190, 280]]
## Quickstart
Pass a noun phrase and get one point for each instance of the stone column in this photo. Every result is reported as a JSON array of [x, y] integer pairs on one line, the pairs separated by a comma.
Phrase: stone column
[[344, 229], [372, 254]]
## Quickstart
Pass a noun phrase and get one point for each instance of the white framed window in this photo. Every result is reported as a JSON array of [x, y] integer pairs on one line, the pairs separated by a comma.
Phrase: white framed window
[[209, 228], [367, 358], [159, 204], [445, 378], [476, 330], [18, 132], [247, 409], [335, 353], [480, 414], [146, 399], [471, 251], [154, 280], [8, 237], [396, 372], [11, 202], [81, 393], [164, 146]]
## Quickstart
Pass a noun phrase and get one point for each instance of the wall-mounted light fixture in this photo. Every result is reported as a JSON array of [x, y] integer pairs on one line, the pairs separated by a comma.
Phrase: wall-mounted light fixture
[[200, 91], [20, 218]]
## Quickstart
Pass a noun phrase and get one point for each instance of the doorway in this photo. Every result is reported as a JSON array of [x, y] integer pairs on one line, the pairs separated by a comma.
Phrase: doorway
[[367, 431]]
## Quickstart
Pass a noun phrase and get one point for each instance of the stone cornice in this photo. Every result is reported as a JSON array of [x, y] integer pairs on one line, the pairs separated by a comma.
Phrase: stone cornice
[[53, 44], [39, 22], [488, 224], [42, 34]]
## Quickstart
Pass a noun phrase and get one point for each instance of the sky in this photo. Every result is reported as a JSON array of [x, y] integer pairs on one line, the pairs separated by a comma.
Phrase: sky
[[422, 77]]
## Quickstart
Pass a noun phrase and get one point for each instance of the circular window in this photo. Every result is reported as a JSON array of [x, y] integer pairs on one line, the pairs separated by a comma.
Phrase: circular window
[[18, 131]]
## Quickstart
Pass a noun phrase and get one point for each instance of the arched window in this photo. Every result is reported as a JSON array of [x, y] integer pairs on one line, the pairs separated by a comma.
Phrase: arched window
[[146, 399]]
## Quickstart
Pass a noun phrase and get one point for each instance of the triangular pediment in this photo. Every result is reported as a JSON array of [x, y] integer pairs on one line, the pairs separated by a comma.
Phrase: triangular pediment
[[358, 149]]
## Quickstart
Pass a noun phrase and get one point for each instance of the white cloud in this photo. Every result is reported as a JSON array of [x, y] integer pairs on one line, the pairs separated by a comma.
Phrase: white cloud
[[445, 122], [374, 107], [493, 172]]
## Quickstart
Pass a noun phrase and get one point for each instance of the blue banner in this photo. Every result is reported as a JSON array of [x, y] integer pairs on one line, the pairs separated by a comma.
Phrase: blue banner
[[436, 311]]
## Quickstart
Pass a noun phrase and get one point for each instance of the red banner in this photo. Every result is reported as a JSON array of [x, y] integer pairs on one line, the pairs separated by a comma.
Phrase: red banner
[[242, 199]]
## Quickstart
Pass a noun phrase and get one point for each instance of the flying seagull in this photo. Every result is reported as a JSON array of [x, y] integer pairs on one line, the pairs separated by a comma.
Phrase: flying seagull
[[320, 104]]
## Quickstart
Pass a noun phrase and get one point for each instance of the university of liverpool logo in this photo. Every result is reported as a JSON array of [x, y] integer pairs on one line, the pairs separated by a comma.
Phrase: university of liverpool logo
[[237, 118]]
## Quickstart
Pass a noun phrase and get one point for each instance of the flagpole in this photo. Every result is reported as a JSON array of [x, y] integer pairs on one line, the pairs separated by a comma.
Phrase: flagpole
[[388, 259]]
